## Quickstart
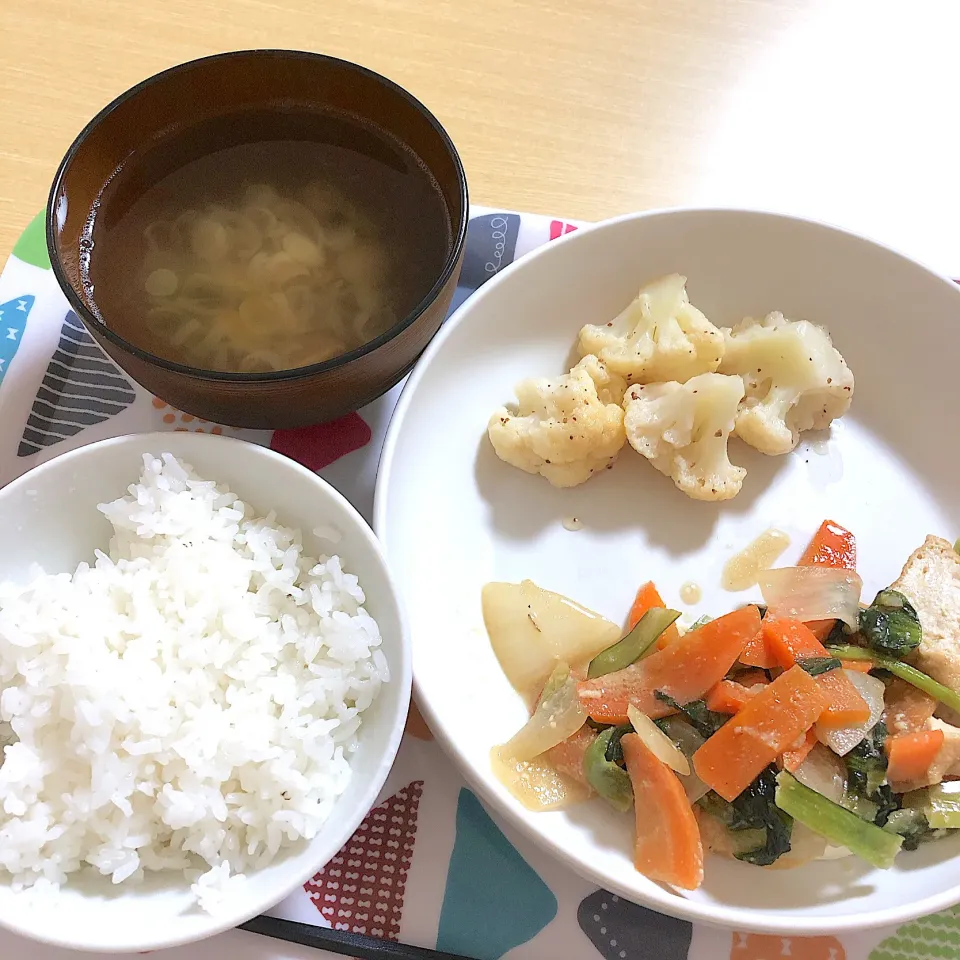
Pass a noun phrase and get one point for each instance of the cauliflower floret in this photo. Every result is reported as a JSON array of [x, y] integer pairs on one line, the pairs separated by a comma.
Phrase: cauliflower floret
[[683, 428], [565, 428], [795, 380], [660, 336]]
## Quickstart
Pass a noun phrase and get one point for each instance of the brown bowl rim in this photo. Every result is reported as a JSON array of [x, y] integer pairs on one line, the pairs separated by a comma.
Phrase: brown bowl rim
[[272, 376]]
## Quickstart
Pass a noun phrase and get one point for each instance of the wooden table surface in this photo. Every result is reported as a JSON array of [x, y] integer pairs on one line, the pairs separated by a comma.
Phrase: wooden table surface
[[841, 110]]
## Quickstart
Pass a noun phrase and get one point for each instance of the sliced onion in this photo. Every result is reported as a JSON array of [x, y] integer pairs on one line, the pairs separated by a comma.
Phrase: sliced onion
[[841, 740], [835, 853], [805, 845], [825, 772], [657, 742], [531, 630], [694, 787], [812, 593], [689, 742], [536, 784], [557, 717]]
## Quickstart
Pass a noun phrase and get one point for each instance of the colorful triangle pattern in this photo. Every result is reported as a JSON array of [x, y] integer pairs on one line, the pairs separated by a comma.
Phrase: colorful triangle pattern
[[621, 930], [13, 321], [81, 387], [494, 900], [361, 889], [764, 946]]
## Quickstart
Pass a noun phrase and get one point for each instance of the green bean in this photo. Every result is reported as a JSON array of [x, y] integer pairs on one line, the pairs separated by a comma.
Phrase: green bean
[[839, 826], [634, 645], [609, 780]]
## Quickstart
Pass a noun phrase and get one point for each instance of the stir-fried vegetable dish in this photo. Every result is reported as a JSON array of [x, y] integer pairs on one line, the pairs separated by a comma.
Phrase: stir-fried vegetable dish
[[809, 725]]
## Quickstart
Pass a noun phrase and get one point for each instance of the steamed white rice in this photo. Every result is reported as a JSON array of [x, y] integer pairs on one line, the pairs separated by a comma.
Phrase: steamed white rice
[[189, 702]]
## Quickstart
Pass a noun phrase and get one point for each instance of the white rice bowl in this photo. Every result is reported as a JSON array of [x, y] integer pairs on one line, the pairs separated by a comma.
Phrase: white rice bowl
[[187, 705]]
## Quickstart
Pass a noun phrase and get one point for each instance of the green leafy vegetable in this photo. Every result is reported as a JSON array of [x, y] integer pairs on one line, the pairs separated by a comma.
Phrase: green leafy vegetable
[[902, 670], [634, 645], [760, 831], [912, 825], [614, 752], [890, 625], [742, 842], [704, 721], [756, 808], [839, 633], [841, 827], [868, 794], [700, 621], [818, 665], [609, 780], [682, 733], [940, 806]]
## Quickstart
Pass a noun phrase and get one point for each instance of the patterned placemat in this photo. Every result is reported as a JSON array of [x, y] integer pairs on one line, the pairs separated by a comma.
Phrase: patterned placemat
[[465, 884]]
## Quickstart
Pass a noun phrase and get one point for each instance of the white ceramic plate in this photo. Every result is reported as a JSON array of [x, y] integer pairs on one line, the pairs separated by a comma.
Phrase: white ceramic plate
[[452, 516], [49, 516]]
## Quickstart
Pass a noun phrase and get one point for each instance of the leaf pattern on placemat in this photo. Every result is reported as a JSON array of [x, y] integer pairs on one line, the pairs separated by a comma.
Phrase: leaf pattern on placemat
[[930, 938], [622, 930], [81, 387], [361, 889], [32, 246]]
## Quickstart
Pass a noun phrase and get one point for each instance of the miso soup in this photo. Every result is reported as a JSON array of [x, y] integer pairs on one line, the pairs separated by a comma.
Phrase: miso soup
[[264, 240]]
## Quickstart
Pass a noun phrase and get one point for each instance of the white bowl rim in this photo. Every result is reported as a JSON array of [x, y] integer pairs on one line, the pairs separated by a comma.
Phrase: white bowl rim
[[402, 676], [740, 918]]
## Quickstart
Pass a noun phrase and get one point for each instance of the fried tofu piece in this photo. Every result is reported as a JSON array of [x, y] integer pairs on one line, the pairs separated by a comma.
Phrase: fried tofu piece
[[930, 580], [947, 761]]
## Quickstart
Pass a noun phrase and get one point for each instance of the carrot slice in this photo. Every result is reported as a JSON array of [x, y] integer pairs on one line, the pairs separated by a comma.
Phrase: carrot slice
[[821, 629], [751, 678], [757, 654], [861, 666], [833, 546], [790, 641], [908, 709], [728, 696], [667, 845], [567, 757], [797, 752], [845, 705], [755, 736], [648, 596], [910, 755], [685, 670]]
